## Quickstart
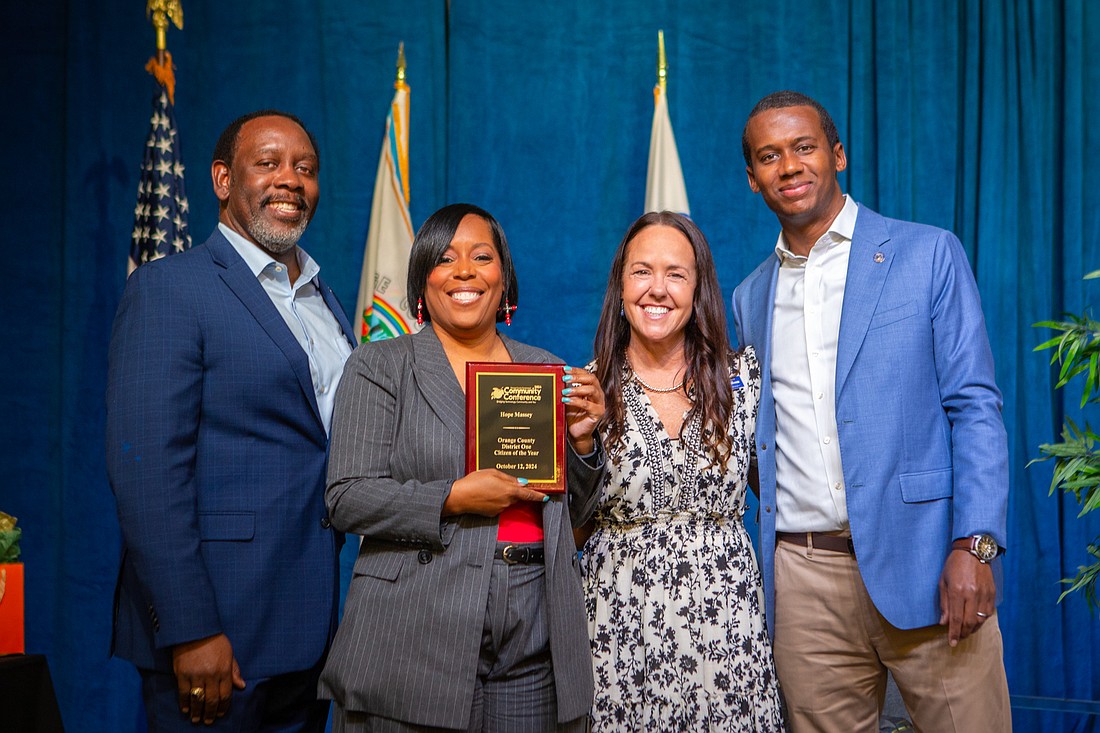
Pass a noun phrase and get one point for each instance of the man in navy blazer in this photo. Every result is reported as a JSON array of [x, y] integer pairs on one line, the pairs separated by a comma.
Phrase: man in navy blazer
[[881, 451], [223, 363]]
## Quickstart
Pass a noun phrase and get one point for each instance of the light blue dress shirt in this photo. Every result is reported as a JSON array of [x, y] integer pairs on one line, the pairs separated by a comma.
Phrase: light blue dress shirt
[[306, 315]]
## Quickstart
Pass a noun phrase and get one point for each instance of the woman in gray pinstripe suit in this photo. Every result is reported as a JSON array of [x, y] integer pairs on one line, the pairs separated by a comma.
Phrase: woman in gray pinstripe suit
[[443, 630]]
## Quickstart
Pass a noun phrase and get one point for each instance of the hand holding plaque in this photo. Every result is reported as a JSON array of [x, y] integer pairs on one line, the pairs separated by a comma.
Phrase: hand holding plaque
[[515, 422]]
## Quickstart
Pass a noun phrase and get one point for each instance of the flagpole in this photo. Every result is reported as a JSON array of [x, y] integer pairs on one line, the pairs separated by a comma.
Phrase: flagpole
[[400, 64], [160, 12], [400, 85], [662, 62]]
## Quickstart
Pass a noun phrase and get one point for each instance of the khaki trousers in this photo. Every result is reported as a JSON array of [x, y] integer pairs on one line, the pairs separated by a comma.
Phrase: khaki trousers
[[833, 648]]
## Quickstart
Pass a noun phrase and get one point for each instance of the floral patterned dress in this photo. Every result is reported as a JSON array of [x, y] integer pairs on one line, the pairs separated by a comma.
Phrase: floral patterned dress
[[672, 588]]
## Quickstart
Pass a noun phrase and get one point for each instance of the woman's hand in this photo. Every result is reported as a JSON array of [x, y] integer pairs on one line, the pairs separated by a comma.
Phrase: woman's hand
[[488, 492], [584, 406]]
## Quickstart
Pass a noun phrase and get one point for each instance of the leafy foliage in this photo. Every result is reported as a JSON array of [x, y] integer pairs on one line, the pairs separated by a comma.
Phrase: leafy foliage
[[1078, 349], [1076, 457], [9, 538], [1086, 579]]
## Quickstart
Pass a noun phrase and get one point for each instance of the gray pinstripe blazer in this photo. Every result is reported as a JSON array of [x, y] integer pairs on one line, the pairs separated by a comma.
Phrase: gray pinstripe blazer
[[408, 645]]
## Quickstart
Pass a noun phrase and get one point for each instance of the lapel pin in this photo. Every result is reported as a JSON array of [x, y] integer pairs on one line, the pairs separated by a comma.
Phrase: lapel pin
[[880, 257]]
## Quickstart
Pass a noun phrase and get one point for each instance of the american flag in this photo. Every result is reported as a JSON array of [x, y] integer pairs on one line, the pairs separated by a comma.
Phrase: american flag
[[160, 216]]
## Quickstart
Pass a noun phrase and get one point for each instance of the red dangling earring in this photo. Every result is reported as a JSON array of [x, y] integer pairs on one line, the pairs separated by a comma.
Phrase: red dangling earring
[[420, 311], [508, 312]]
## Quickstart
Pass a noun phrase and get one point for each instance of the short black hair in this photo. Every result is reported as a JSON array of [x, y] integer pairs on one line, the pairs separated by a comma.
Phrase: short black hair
[[433, 239], [228, 142], [780, 100]]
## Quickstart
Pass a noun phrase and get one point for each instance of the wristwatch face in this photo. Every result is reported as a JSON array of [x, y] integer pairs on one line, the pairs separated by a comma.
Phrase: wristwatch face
[[984, 547]]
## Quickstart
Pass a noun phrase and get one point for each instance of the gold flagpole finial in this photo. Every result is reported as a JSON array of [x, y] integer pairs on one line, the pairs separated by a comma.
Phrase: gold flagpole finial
[[161, 11], [400, 63], [662, 62], [160, 66]]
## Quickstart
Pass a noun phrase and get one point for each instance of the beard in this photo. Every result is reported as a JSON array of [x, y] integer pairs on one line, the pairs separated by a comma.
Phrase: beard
[[275, 237]]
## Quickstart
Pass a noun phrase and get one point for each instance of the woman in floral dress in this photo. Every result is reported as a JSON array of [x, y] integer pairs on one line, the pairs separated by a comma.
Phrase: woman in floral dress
[[672, 588]]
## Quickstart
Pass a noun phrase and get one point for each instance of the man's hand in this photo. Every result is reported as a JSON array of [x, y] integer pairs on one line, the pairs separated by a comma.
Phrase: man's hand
[[967, 595], [206, 673]]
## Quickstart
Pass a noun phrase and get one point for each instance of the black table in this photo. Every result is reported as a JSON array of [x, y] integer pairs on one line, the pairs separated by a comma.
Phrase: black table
[[27, 702]]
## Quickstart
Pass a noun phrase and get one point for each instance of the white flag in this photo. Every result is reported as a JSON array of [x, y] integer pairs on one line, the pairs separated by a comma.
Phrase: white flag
[[382, 308], [664, 183]]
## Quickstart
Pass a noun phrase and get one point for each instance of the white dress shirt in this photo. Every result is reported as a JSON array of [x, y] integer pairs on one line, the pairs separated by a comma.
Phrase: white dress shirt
[[306, 314], [809, 296]]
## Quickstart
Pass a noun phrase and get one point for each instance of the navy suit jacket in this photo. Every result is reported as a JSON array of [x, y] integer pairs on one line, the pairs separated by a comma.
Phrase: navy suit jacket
[[217, 456], [922, 442]]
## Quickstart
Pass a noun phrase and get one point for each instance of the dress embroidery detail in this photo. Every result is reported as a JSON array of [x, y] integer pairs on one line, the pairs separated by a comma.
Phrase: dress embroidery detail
[[672, 589]]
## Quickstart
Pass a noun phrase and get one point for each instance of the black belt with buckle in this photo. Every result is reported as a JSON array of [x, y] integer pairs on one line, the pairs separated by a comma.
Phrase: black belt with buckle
[[520, 554]]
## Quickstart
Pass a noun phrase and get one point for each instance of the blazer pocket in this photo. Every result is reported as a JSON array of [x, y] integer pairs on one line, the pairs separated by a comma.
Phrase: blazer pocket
[[893, 315], [927, 485], [227, 526], [384, 565]]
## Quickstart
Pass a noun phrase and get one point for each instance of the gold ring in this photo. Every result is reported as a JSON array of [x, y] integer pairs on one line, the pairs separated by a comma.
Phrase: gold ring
[[198, 693]]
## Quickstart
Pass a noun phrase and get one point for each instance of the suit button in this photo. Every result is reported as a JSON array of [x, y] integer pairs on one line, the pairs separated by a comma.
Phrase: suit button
[[424, 557], [763, 446], [325, 524]]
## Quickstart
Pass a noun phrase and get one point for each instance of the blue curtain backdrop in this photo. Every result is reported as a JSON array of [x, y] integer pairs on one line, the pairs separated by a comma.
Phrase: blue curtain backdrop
[[970, 115]]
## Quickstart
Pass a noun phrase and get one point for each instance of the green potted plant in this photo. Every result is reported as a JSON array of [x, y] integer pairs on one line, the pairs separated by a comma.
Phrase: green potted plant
[[11, 587], [1077, 456]]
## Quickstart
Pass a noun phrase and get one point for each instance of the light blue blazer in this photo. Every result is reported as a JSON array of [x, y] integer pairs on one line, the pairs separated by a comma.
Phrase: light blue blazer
[[922, 442]]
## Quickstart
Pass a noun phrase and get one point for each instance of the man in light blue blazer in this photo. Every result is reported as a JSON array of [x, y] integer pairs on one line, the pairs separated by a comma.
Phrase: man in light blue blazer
[[881, 452], [224, 361]]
